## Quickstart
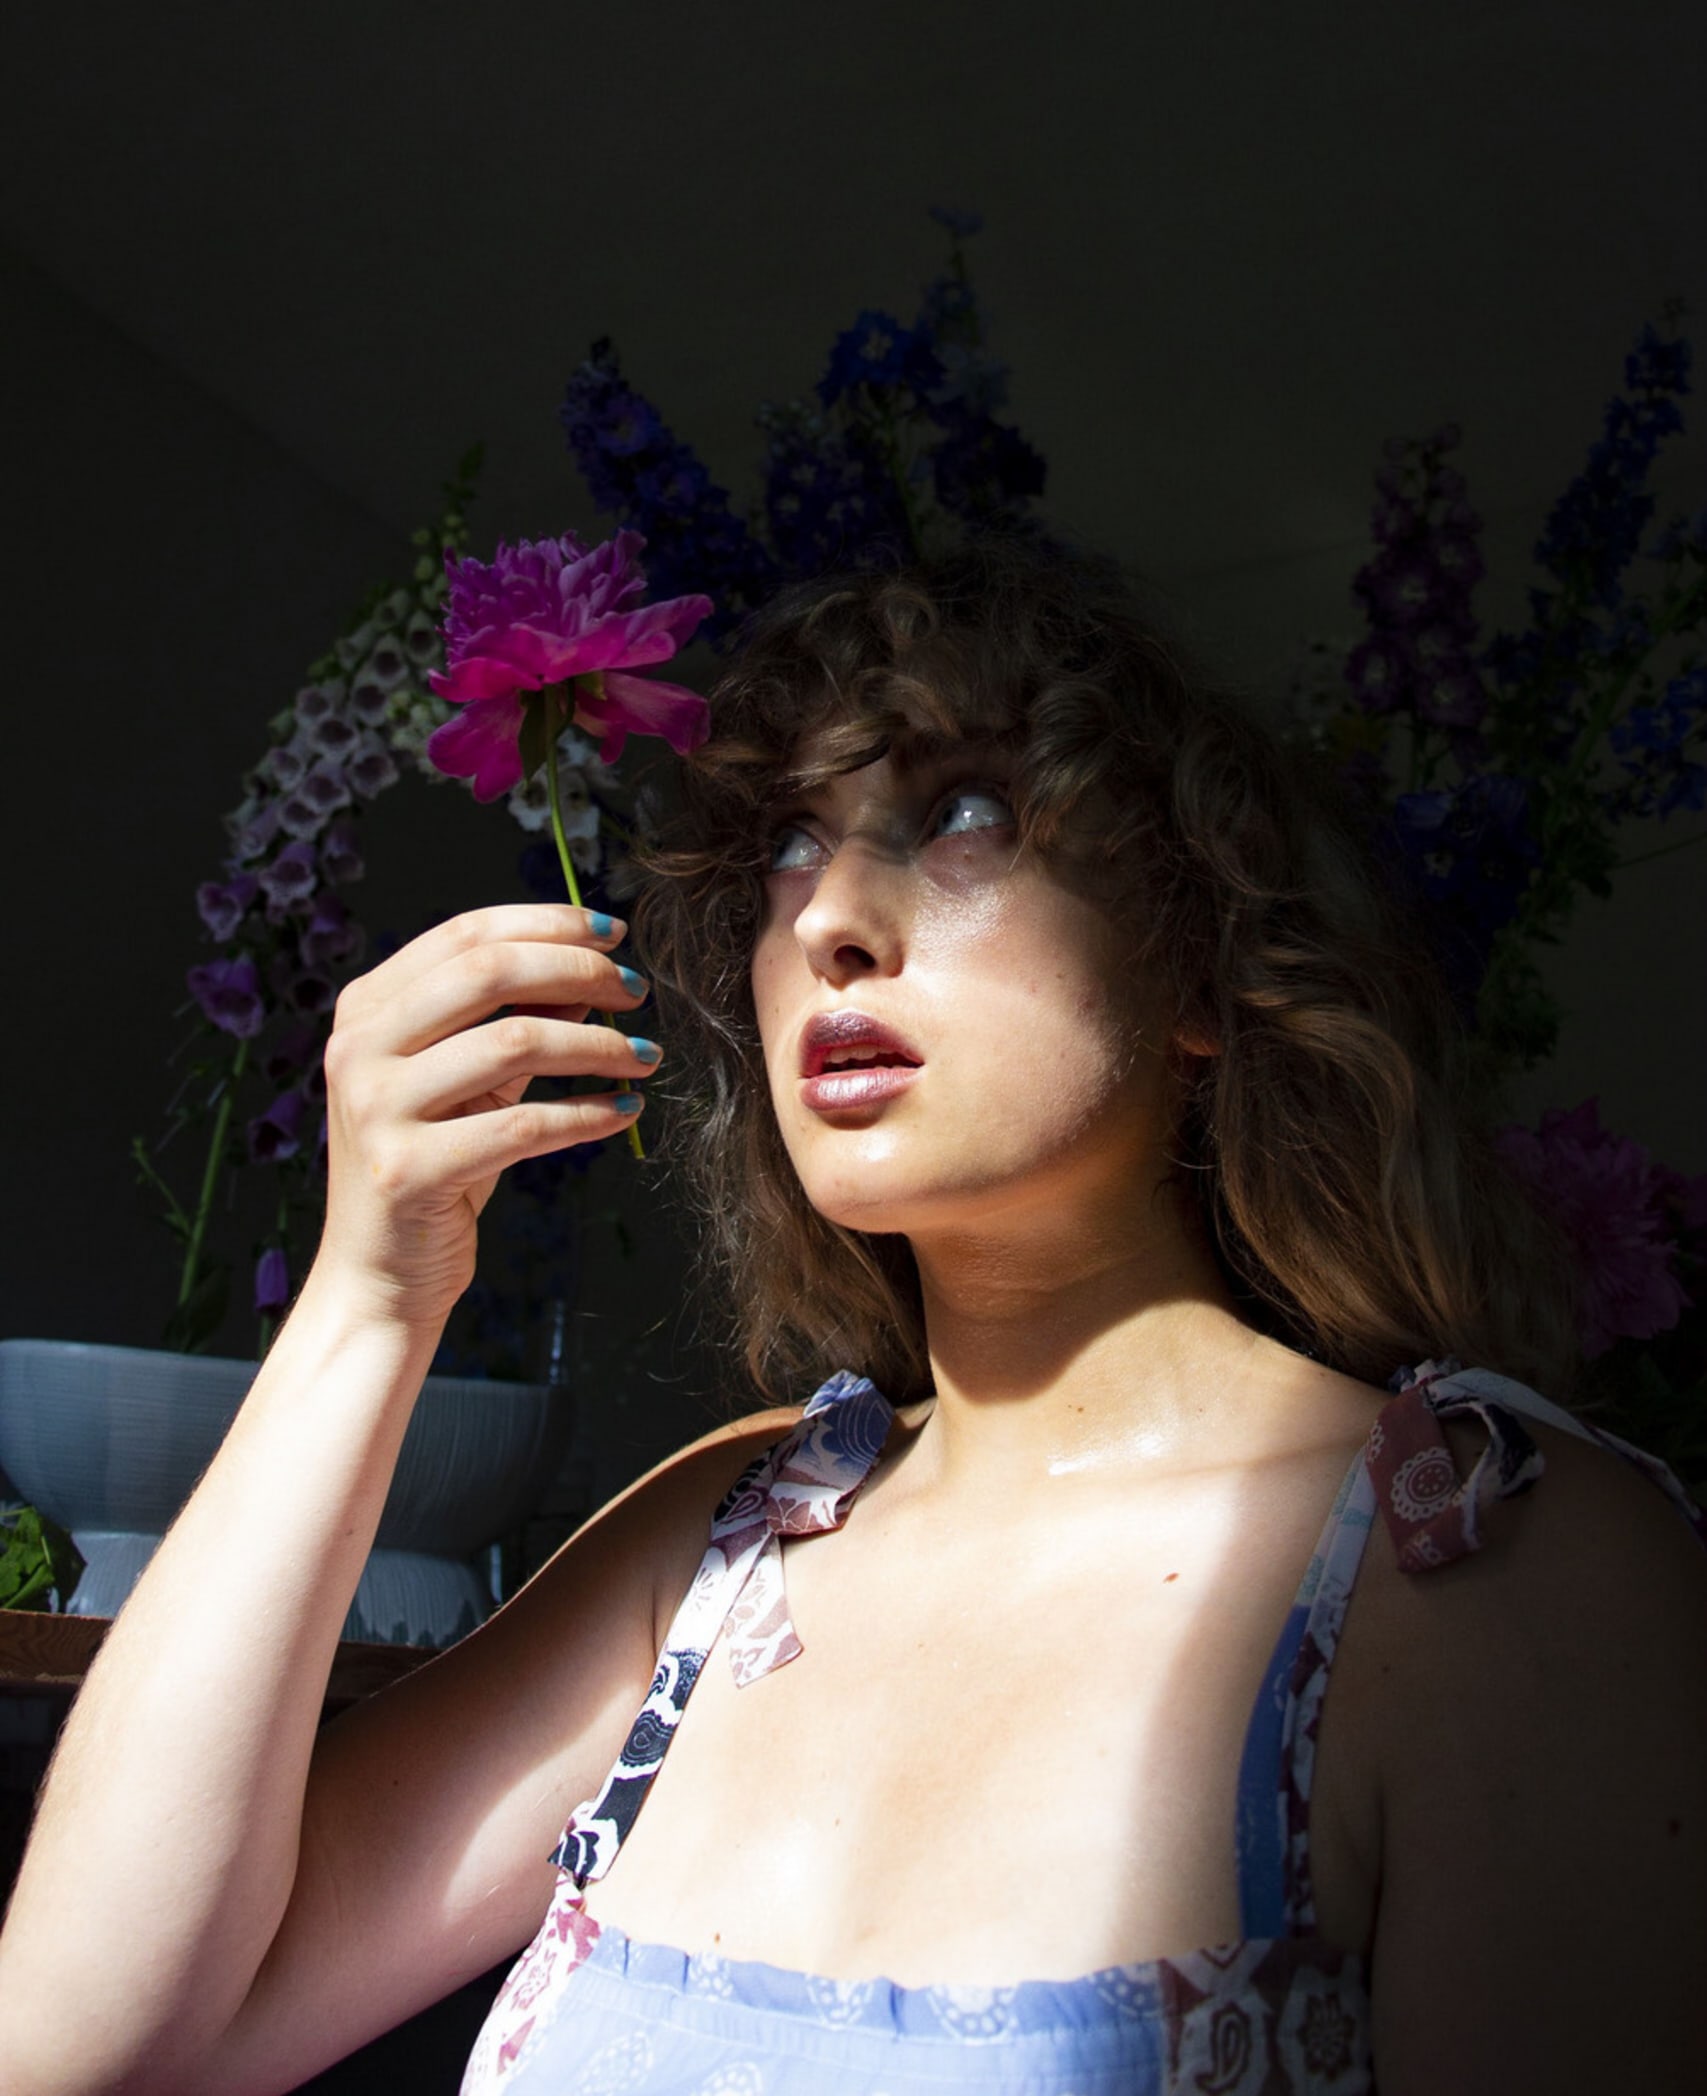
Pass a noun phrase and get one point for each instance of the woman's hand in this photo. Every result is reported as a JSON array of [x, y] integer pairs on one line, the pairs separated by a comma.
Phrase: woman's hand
[[426, 1069]]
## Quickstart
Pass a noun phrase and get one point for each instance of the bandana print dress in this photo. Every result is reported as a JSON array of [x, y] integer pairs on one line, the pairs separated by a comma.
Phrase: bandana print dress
[[586, 2010]]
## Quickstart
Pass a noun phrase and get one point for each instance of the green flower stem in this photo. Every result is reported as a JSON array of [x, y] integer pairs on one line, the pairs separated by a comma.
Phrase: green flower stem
[[210, 1175], [574, 886]]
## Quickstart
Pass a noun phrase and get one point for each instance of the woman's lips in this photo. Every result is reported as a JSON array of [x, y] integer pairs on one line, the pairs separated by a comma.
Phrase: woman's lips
[[848, 1059], [863, 1084]]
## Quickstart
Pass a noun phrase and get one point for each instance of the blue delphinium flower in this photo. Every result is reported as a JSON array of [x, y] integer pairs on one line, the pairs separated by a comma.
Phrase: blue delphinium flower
[[1471, 850], [1595, 528], [900, 439], [636, 468], [878, 351], [1654, 744]]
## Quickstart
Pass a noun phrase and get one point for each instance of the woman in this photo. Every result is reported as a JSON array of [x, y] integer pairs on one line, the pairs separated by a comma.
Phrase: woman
[[1068, 1079]]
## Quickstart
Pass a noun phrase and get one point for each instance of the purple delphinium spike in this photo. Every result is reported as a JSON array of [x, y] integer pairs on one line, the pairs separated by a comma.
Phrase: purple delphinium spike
[[1416, 592]]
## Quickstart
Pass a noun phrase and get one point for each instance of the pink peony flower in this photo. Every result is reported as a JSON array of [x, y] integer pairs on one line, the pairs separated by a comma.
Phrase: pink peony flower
[[1620, 1209], [548, 613]]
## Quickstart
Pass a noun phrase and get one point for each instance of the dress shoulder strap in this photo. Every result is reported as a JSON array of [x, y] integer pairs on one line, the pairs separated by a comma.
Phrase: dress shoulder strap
[[803, 1484], [1407, 1474], [1432, 1514]]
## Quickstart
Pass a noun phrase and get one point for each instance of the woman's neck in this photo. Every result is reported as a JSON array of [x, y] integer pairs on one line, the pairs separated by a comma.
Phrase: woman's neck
[[1094, 1342]]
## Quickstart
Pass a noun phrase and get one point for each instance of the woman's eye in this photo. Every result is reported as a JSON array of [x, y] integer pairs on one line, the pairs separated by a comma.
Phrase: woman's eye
[[792, 848], [973, 808]]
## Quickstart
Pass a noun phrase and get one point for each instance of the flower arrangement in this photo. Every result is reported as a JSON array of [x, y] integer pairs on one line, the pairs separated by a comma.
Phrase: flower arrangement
[[1499, 774], [465, 672], [901, 444], [518, 676]]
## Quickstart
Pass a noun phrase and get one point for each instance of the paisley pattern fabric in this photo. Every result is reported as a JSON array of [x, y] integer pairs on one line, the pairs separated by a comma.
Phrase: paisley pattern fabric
[[587, 2010]]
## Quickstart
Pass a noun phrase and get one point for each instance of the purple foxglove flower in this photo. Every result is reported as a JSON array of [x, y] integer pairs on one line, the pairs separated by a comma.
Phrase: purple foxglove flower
[[299, 818], [325, 789], [540, 615], [290, 878], [272, 1282], [222, 904], [370, 768], [388, 665], [229, 993], [369, 701], [1616, 1206], [331, 937], [285, 763], [253, 828], [315, 702], [308, 991], [332, 736], [276, 1134], [340, 856], [291, 1053]]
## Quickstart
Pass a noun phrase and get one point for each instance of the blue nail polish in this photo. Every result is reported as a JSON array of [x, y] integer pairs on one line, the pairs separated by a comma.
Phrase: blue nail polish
[[645, 1051], [601, 926], [634, 984], [628, 1102]]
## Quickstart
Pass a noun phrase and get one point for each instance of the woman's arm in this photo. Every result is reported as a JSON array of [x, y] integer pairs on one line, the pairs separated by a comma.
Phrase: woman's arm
[[1543, 1909], [170, 1841]]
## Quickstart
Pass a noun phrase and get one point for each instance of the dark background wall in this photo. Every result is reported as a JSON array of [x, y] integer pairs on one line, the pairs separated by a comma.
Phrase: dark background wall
[[266, 273]]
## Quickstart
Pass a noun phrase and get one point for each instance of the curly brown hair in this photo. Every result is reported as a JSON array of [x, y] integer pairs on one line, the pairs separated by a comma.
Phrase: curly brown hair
[[1328, 1143]]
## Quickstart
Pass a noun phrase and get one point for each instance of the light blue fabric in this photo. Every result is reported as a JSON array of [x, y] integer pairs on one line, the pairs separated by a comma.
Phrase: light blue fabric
[[673, 2025]]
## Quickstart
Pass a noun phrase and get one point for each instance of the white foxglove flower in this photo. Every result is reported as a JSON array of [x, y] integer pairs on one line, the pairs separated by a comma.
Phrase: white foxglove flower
[[421, 638], [370, 768]]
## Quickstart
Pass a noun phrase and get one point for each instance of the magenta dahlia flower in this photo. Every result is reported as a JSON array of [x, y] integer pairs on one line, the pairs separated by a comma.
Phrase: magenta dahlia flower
[[553, 612], [1621, 1211]]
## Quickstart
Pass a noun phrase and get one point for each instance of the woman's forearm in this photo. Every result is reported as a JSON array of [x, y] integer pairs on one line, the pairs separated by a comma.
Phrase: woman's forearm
[[168, 1831]]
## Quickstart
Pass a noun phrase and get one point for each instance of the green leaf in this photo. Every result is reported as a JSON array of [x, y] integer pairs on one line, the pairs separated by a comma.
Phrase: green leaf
[[37, 1558]]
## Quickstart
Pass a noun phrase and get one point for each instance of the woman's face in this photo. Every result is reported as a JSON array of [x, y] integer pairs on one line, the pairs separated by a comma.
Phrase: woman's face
[[951, 1034]]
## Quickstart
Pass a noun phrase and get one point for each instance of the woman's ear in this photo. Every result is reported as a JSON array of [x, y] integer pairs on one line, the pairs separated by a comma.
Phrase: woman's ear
[[1193, 1040]]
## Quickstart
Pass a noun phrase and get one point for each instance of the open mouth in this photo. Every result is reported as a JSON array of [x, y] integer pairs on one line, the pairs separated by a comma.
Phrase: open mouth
[[839, 1059], [848, 1043]]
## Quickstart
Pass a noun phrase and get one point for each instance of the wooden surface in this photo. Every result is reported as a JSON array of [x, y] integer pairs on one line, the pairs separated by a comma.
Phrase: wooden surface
[[42, 1654]]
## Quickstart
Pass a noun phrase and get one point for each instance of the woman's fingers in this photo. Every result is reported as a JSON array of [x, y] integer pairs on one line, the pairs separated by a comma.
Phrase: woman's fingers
[[472, 1149], [470, 987], [554, 924], [457, 1075]]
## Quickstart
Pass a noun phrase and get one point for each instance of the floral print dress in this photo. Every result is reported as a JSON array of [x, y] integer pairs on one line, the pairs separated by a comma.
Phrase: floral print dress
[[587, 2010]]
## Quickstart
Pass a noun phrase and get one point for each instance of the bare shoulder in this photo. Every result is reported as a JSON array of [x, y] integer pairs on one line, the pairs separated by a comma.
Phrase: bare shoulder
[[1540, 1739], [433, 1808]]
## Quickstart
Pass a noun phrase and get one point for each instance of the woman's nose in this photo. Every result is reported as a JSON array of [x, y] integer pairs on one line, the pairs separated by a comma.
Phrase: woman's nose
[[854, 923]]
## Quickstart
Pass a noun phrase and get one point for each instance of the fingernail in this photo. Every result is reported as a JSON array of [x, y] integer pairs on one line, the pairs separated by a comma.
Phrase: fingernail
[[645, 1051], [601, 926], [628, 1102], [634, 984]]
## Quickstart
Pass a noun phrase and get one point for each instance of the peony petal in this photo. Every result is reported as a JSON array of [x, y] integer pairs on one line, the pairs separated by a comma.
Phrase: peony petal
[[642, 706], [482, 743]]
